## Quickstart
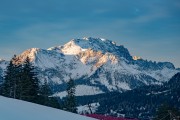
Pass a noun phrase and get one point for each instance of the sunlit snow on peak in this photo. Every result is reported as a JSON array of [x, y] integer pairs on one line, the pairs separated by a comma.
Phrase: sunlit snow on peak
[[136, 58], [1, 60], [91, 38]]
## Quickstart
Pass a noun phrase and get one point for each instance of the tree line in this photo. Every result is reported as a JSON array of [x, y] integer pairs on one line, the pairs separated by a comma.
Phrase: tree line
[[21, 82]]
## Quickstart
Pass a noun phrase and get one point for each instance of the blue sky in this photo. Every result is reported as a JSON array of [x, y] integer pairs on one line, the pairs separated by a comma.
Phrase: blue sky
[[148, 28]]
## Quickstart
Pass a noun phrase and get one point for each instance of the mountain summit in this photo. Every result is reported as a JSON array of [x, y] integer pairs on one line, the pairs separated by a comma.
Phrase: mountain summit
[[77, 46], [97, 65]]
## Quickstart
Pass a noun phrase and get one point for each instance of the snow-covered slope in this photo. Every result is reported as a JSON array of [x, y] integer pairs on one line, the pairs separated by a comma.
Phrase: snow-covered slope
[[12, 109], [3, 65], [84, 109], [97, 65]]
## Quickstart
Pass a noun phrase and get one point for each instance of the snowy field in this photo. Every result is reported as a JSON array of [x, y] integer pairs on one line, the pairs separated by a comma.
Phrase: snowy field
[[84, 109], [12, 109]]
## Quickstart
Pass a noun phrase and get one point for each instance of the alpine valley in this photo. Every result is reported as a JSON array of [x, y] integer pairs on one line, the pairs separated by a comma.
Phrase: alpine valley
[[98, 66]]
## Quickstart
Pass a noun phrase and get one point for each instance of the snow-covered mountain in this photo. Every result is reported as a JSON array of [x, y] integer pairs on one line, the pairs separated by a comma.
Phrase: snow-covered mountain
[[142, 102], [97, 65], [3, 65], [13, 109]]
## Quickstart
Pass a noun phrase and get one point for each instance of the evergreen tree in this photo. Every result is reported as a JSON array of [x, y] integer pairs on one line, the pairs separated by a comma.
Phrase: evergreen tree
[[71, 100], [10, 85], [29, 82], [45, 98], [45, 92], [7, 85], [165, 112], [17, 80], [21, 82]]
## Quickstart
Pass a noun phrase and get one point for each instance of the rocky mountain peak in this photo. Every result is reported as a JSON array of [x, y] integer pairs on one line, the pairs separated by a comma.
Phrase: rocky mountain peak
[[31, 53], [76, 46]]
